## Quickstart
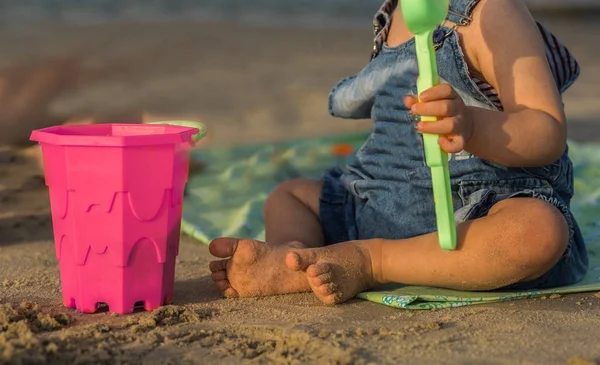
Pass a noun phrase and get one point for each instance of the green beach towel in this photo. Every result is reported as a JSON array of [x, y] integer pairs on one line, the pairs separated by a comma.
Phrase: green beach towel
[[226, 198]]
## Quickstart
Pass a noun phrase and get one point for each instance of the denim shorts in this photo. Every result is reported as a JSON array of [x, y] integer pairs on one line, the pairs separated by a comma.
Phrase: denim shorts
[[341, 215]]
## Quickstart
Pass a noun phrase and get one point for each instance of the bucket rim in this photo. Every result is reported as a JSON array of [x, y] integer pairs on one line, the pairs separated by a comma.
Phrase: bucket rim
[[114, 134]]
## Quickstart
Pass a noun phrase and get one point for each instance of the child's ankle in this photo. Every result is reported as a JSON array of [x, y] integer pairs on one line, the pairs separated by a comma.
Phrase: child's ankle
[[373, 249]]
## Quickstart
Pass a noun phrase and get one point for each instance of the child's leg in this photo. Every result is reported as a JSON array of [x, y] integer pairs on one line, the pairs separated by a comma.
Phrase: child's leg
[[292, 214], [519, 240], [252, 268]]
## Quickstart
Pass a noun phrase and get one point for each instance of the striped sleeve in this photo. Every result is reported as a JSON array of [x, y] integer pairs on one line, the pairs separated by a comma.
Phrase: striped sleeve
[[563, 65]]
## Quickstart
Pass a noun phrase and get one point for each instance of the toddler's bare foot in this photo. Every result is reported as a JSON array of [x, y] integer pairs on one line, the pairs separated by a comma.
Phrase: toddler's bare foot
[[253, 268], [335, 273]]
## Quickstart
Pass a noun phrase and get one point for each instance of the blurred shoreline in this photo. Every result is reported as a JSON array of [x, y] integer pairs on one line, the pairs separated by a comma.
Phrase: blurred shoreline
[[306, 13], [247, 83]]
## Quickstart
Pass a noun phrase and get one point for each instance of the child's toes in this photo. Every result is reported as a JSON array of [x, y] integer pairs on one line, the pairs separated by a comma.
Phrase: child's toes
[[318, 269], [320, 279], [325, 290], [224, 287], [218, 265], [316, 281], [219, 275], [231, 293], [300, 260], [331, 299]]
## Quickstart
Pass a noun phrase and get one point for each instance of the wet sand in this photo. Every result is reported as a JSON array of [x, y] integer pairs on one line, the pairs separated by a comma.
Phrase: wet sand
[[247, 85]]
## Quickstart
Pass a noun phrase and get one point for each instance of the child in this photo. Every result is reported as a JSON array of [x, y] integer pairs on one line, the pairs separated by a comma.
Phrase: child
[[503, 123]]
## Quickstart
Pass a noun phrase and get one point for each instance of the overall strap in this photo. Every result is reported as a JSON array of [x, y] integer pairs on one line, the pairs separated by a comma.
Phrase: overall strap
[[381, 25], [460, 11]]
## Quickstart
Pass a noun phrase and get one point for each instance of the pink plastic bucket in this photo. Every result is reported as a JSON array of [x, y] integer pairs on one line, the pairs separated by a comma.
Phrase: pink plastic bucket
[[116, 194]]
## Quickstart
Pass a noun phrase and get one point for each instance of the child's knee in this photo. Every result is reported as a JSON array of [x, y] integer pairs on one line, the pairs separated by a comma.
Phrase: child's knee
[[305, 191], [286, 188], [540, 235]]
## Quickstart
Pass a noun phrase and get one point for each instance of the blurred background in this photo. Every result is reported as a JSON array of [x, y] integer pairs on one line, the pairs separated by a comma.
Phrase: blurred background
[[250, 70]]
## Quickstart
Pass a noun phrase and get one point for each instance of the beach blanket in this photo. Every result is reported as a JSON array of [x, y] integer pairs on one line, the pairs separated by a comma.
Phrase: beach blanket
[[225, 198]]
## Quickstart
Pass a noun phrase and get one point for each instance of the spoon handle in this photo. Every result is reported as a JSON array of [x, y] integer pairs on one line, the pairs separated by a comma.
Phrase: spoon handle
[[436, 158]]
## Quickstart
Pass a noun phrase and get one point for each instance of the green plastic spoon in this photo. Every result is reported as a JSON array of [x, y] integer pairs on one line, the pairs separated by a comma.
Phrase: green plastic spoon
[[422, 17]]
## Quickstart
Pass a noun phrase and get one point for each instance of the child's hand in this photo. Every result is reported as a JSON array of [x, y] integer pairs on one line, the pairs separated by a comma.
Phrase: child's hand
[[455, 126]]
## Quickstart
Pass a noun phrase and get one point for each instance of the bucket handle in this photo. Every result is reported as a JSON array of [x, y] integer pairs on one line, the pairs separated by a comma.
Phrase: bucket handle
[[187, 123]]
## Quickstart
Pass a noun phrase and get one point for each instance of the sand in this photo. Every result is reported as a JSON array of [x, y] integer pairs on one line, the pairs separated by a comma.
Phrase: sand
[[247, 85]]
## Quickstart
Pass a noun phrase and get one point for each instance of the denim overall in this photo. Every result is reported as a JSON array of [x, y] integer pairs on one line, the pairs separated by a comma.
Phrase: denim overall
[[386, 191]]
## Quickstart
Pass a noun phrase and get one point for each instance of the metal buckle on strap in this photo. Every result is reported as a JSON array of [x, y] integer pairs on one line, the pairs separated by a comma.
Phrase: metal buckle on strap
[[465, 20]]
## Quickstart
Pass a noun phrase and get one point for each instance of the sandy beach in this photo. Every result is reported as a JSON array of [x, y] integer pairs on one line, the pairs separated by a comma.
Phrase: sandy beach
[[248, 85]]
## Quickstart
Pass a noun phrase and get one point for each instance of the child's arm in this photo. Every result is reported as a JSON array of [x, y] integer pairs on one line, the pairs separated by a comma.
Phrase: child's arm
[[511, 56], [509, 52]]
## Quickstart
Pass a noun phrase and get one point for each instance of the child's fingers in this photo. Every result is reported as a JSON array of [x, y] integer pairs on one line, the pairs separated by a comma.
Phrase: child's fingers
[[439, 92], [439, 108], [410, 100], [452, 143], [442, 127]]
